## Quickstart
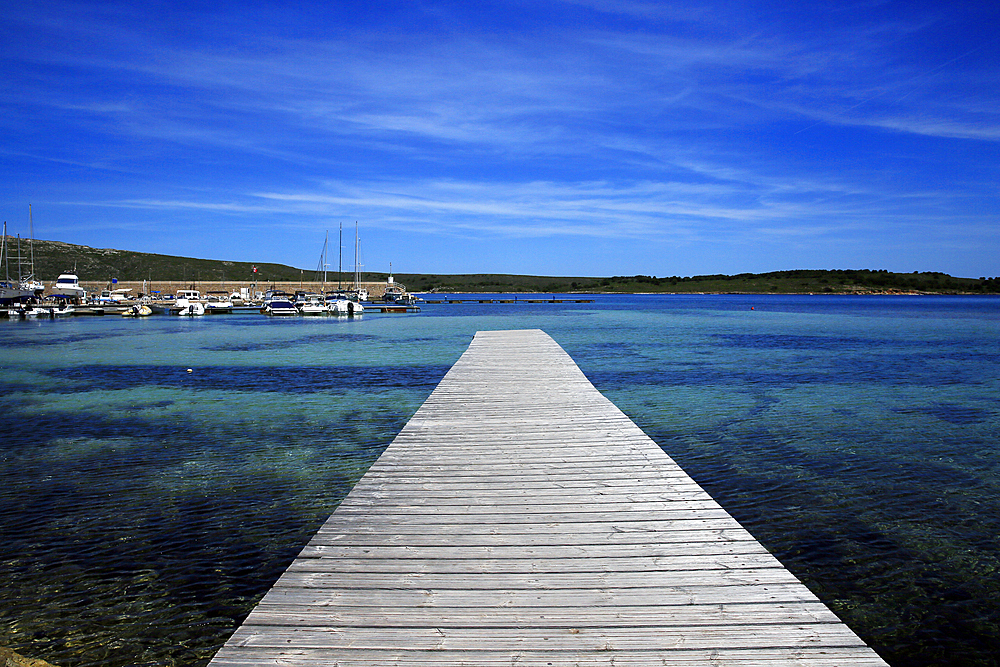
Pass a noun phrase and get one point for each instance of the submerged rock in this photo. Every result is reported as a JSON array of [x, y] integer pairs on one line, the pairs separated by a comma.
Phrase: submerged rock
[[8, 658]]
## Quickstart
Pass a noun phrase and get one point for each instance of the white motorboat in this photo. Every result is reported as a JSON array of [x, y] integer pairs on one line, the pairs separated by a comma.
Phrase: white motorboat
[[192, 309], [345, 303], [313, 304], [31, 312], [39, 311], [62, 310], [186, 298], [68, 287], [338, 306], [279, 307]]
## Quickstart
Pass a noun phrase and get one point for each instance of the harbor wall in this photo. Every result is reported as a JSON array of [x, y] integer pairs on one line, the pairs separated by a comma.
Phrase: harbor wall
[[164, 287]]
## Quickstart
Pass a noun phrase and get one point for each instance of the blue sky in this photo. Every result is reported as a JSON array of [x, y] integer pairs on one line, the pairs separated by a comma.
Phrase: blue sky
[[583, 138]]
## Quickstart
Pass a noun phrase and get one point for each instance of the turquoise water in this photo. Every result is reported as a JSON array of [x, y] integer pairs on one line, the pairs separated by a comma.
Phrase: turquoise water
[[144, 508]]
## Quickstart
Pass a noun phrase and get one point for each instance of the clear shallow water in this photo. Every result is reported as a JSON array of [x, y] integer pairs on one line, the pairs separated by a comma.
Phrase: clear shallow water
[[144, 509]]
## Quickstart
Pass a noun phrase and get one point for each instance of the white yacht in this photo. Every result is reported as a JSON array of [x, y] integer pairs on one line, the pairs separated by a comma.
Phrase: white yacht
[[313, 304], [68, 287], [188, 302]]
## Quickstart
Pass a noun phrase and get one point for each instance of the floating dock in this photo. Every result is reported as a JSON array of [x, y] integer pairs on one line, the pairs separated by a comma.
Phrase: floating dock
[[392, 308], [520, 518], [509, 300]]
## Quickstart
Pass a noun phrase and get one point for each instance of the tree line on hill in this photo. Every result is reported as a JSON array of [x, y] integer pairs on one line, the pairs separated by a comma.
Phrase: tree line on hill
[[94, 264]]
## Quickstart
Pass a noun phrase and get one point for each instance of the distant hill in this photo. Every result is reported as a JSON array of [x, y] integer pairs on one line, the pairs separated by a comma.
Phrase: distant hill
[[96, 264], [100, 264]]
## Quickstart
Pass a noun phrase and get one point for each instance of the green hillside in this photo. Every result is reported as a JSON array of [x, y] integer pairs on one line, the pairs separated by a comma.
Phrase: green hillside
[[54, 257]]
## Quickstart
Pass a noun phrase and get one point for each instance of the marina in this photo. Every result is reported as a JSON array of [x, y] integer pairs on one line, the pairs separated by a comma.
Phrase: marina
[[191, 302]]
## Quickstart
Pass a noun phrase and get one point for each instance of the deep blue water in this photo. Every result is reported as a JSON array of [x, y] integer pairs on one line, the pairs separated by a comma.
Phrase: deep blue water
[[145, 508]]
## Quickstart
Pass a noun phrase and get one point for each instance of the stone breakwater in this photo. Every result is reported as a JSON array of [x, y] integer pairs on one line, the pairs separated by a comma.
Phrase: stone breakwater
[[164, 287]]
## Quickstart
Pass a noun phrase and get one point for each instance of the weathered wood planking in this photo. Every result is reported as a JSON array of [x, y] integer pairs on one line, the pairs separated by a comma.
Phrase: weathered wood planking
[[520, 518]]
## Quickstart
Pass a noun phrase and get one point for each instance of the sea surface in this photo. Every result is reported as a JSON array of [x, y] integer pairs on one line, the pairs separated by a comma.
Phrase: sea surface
[[157, 475]]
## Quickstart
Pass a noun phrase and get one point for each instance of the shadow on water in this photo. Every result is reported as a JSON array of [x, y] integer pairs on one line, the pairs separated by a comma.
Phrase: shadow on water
[[287, 379]]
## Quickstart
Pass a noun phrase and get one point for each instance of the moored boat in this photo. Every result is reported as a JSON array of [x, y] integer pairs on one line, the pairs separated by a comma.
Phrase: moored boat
[[12, 292], [186, 298], [26, 281], [395, 293], [137, 310], [109, 296], [68, 287], [218, 302], [192, 309], [313, 304], [279, 306], [40, 311], [344, 302]]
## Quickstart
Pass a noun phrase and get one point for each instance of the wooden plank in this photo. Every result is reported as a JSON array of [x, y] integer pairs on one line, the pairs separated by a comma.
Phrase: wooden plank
[[519, 518], [548, 617], [574, 638], [679, 657]]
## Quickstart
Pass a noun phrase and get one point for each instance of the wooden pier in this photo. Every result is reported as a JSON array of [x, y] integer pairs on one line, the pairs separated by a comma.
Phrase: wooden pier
[[520, 518]]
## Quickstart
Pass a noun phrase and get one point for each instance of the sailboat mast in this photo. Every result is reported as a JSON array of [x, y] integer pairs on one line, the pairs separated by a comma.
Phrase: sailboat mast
[[31, 240], [326, 242], [340, 261], [3, 249]]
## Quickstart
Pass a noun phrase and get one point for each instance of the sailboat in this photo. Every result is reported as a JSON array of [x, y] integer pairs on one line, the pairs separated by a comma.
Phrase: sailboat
[[316, 304], [27, 280], [360, 292], [348, 302], [11, 291]]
